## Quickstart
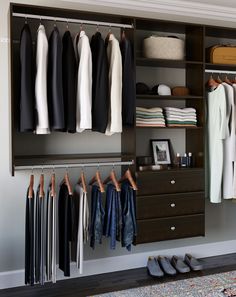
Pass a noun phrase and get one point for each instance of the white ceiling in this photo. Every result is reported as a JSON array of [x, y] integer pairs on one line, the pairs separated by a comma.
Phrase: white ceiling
[[228, 3]]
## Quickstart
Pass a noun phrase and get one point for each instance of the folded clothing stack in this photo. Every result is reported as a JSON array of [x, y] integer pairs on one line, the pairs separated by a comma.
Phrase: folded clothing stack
[[150, 117], [181, 117]]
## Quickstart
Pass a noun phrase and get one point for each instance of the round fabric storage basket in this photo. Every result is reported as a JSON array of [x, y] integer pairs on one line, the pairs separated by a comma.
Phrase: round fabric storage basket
[[163, 48]]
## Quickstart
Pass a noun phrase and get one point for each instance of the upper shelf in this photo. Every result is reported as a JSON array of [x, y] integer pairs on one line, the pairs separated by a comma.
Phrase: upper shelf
[[140, 61], [159, 97], [230, 67]]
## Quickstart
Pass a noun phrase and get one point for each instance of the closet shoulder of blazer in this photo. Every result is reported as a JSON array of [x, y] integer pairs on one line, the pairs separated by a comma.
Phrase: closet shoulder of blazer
[[100, 103], [55, 91], [69, 67], [115, 86], [42, 124], [128, 82], [27, 99], [84, 85]]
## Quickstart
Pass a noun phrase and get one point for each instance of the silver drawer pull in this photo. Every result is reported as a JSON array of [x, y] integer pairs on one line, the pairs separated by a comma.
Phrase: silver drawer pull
[[172, 205], [172, 181], [172, 228]]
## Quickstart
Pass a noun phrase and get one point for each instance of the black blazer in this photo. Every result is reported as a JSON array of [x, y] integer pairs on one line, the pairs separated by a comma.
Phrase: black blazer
[[128, 82], [69, 69], [55, 90], [27, 98], [100, 99]]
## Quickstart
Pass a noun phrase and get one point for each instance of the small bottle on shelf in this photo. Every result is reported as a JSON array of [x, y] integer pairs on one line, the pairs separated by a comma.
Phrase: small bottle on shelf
[[190, 160]]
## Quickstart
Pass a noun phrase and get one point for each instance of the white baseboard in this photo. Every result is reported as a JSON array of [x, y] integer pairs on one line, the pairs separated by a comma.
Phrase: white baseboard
[[15, 278]]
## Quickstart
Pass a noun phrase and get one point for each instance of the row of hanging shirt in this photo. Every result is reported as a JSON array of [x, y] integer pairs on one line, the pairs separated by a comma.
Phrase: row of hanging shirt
[[78, 84], [70, 215], [221, 139]]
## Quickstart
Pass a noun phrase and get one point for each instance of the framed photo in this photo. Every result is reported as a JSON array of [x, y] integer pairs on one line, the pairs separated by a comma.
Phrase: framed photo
[[161, 151]]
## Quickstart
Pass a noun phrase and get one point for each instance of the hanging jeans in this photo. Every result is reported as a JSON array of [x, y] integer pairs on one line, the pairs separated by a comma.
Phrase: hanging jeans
[[113, 219], [129, 230], [29, 240], [97, 217]]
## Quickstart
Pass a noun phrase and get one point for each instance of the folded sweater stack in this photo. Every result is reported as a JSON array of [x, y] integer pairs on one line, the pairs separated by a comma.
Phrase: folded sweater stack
[[150, 117], [180, 117]]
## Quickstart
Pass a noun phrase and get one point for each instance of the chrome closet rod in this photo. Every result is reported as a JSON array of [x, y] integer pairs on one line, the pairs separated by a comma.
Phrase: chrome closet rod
[[220, 71], [58, 19], [74, 165]]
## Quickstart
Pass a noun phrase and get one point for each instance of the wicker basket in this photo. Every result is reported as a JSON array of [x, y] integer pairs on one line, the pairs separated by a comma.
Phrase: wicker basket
[[163, 48]]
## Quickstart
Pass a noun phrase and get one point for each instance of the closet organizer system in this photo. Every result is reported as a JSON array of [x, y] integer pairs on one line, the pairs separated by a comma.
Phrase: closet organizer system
[[170, 204]]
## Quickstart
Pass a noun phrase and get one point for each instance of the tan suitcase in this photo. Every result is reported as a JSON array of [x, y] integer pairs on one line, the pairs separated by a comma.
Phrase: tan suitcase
[[220, 54]]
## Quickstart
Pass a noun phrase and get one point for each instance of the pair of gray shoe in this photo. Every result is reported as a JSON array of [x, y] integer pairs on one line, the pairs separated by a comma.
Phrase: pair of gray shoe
[[158, 266]]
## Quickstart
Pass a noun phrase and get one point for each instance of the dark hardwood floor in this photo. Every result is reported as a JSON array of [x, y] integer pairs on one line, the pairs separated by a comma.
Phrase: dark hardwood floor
[[110, 282]]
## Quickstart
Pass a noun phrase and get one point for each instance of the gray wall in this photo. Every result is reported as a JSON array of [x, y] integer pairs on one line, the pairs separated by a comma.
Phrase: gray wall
[[220, 219]]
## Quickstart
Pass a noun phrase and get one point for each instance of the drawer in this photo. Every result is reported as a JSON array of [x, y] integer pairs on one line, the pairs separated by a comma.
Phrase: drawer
[[168, 205], [170, 181], [170, 228]]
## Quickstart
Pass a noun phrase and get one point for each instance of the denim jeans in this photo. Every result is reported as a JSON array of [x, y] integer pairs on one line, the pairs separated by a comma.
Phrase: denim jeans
[[97, 217], [129, 230], [112, 226]]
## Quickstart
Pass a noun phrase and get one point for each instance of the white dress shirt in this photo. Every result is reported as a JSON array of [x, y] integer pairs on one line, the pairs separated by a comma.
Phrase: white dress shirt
[[42, 122], [84, 86], [115, 86]]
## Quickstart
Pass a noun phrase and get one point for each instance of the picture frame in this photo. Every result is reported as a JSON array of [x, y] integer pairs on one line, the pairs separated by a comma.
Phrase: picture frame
[[161, 151]]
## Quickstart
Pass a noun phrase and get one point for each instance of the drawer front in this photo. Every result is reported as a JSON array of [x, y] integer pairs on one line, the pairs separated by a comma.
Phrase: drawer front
[[172, 181], [169, 205], [170, 228]]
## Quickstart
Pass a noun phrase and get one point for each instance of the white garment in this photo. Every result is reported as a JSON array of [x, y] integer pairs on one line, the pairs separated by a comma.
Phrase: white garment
[[83, 230], [42, 124], [229, 143], [84, 86], [115, 86], [234, 163], [216, 130]]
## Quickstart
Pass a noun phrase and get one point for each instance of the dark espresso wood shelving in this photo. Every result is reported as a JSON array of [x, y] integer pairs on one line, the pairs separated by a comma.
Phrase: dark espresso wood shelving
[[140, 61], [230, 67], [159, 97]]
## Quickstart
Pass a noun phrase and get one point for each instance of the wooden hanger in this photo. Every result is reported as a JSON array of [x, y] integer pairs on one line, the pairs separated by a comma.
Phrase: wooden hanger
[[83, 182], [123, 35], [31, 186], [68, 184], [218, 80], [97, 178], [53, 185], [112, 177], [226, 80], [129, 177], [41, 186], [233, 81], [211, 83]]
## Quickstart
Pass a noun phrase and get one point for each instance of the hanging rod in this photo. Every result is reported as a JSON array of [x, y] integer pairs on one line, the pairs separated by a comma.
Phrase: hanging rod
[[68, 20], [74, 165], [220, 71]]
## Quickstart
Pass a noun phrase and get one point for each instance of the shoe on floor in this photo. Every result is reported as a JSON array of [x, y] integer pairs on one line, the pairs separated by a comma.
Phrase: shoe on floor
[[192, 262], [179, 265], [154, 268], [166, 265]]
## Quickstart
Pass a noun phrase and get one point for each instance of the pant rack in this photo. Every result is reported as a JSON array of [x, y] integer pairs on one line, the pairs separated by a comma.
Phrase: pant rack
[[74, 165]]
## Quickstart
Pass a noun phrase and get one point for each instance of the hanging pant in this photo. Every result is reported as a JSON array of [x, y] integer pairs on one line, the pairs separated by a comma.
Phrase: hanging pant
[[39, 239], [51, 237], [97, 217], [65, 228], [129, 231], [29, 240]]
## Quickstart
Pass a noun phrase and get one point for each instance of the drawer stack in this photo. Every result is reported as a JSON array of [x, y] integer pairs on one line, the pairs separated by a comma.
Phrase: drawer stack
[[170, 204]]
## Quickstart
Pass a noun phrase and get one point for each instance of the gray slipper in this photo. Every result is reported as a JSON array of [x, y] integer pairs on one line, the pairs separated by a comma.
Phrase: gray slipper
[[154, 268], [166, 265], [192, 262], [179, 265]]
